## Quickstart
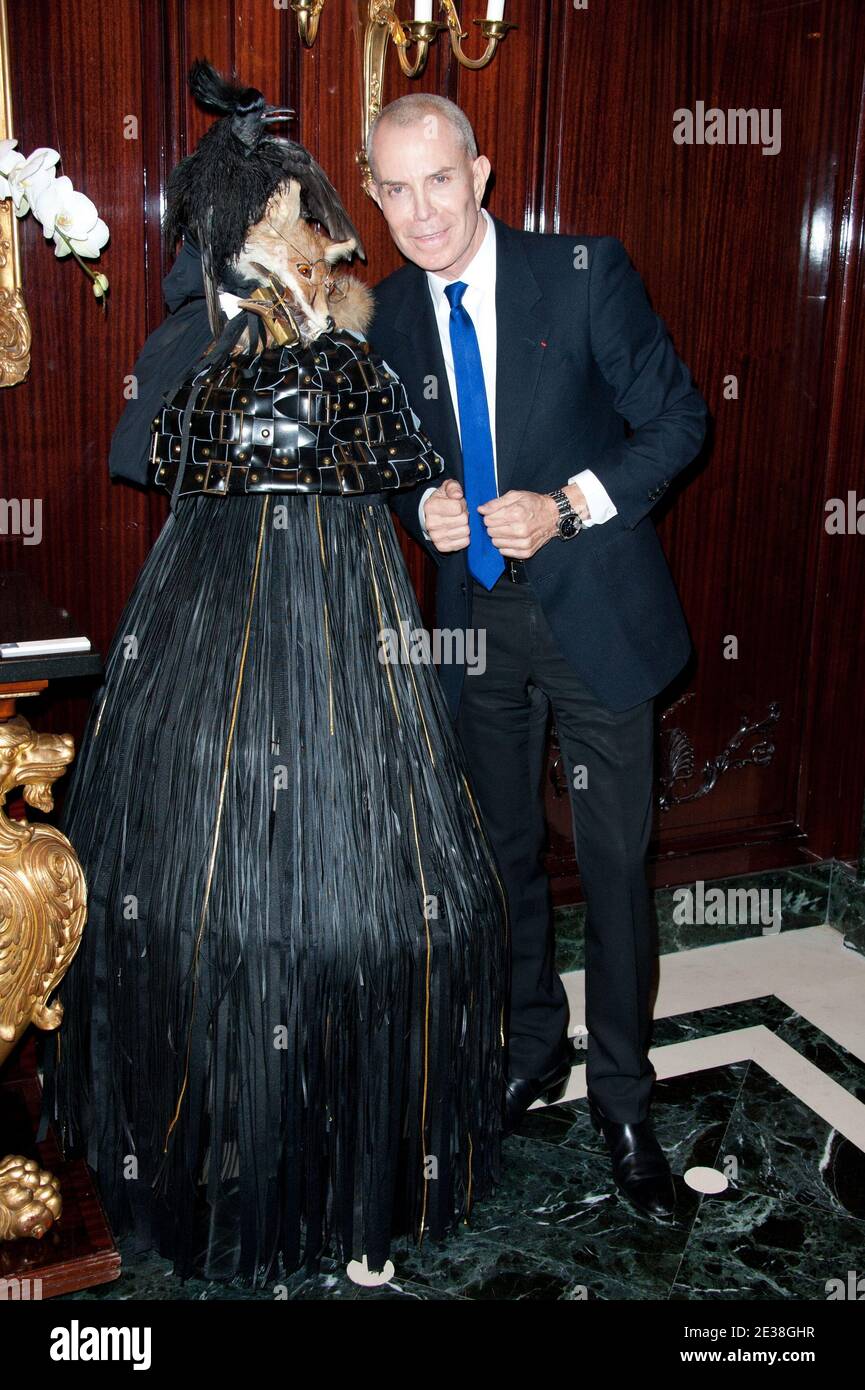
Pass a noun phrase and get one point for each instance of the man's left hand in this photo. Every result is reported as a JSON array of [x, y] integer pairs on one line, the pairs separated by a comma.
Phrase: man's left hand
[[519, 523]]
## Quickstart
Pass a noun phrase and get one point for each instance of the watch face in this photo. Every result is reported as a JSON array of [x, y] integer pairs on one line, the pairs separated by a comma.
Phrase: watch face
[[568, 527]]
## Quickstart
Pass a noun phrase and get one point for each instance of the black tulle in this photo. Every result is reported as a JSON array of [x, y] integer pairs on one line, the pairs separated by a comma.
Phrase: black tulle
[[284, 1027]]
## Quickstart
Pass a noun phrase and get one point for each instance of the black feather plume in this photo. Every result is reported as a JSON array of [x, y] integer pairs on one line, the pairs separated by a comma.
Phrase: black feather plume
[[214, 93], [222, 188]]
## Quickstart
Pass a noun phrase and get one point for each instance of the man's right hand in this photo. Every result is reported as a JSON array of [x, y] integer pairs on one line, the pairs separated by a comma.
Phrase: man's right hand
[[446, 517]]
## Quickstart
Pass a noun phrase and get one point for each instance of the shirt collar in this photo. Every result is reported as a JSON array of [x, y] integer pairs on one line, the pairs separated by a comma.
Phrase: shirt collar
[[480, 271]]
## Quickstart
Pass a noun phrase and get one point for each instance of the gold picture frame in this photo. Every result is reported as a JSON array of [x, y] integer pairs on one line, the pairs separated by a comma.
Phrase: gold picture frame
[[15, 333]]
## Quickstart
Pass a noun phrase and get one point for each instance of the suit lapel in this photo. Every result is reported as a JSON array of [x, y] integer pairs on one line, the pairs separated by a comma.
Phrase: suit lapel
[[416, 320], [521, 325], [520, 328]]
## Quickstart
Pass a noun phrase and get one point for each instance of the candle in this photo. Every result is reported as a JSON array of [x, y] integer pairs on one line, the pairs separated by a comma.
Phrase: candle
[[495, 9], [423, 11]]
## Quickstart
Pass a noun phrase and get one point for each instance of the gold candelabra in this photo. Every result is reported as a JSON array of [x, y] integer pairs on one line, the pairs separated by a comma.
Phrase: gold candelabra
[[378, 24]]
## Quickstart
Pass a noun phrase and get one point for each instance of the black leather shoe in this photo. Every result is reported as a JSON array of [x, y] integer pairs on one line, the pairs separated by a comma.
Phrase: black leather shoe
[[640, 1168], [523, 1091]]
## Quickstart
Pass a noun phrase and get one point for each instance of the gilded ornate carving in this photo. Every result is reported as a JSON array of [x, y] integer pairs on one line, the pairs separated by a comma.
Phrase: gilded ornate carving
[[43, 907], [42, 891], [14, 323], [15, 335], [30, 1199]]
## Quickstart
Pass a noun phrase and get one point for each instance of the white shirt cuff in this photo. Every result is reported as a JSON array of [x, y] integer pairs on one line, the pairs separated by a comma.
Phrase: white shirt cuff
[[420, 507], [600, 504]]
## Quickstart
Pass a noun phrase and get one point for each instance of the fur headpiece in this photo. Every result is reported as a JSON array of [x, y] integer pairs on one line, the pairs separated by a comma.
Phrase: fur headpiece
[[285, 254], [244, 202], [221, 190]]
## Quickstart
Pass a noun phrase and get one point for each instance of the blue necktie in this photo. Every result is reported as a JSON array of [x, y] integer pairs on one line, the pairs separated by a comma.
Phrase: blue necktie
[[479, 472]]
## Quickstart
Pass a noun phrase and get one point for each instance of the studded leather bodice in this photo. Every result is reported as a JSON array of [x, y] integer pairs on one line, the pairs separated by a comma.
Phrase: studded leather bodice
[[330, 417]]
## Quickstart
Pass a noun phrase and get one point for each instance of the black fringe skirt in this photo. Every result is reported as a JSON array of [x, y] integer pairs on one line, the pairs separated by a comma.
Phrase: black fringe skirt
[[284, 1029]]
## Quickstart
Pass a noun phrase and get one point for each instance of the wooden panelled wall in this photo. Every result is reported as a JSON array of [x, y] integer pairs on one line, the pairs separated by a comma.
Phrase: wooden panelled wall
[[753, 260]]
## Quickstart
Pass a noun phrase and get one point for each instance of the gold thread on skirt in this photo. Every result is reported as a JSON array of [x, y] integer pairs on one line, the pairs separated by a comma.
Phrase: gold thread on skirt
[[225, 764], [426, 1015], [99, 716], [480, 827], [386, 664], [410, 667]]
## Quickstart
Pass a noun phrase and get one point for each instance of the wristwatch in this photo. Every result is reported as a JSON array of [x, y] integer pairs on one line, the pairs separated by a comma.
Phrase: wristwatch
[[569, 522]]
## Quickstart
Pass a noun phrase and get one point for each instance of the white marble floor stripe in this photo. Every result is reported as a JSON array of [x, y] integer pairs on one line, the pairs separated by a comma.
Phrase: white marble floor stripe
[[809, 969]]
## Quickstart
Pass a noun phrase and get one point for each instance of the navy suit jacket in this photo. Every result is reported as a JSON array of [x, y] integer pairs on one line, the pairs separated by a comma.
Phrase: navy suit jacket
[[579, 352]]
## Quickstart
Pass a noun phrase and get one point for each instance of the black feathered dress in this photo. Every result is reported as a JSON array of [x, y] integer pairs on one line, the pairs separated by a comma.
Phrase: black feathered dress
[[283, 1031]]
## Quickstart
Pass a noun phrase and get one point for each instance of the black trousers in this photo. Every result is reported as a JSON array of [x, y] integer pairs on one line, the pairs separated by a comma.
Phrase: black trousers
[[607, 761]]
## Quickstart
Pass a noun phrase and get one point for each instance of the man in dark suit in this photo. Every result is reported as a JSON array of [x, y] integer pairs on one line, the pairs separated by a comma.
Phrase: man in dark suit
[[523, 355]]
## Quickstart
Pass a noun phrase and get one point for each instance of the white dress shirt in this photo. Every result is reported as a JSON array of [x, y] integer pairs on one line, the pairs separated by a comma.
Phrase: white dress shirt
[[479, 301]]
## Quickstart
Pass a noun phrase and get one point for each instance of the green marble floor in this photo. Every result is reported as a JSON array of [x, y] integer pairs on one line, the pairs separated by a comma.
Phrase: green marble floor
[[807, 895], [791, 1218]]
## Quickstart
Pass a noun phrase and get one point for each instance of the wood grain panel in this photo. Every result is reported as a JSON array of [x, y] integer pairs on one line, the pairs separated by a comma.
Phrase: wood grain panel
[[738, 251], [754, 262], [78, 73]]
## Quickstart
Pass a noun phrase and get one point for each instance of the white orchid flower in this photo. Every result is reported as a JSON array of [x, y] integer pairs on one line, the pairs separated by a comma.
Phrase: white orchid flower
[[71, 219], [10, 158], [29, 179], [66, 215], [90, 244], [12, 161], [60, 205]]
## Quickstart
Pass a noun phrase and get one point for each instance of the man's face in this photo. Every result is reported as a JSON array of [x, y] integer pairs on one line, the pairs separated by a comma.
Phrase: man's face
[[430, 193]]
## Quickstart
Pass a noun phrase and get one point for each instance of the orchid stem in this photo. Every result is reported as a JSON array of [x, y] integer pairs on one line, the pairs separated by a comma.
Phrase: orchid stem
[[85, 268]]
